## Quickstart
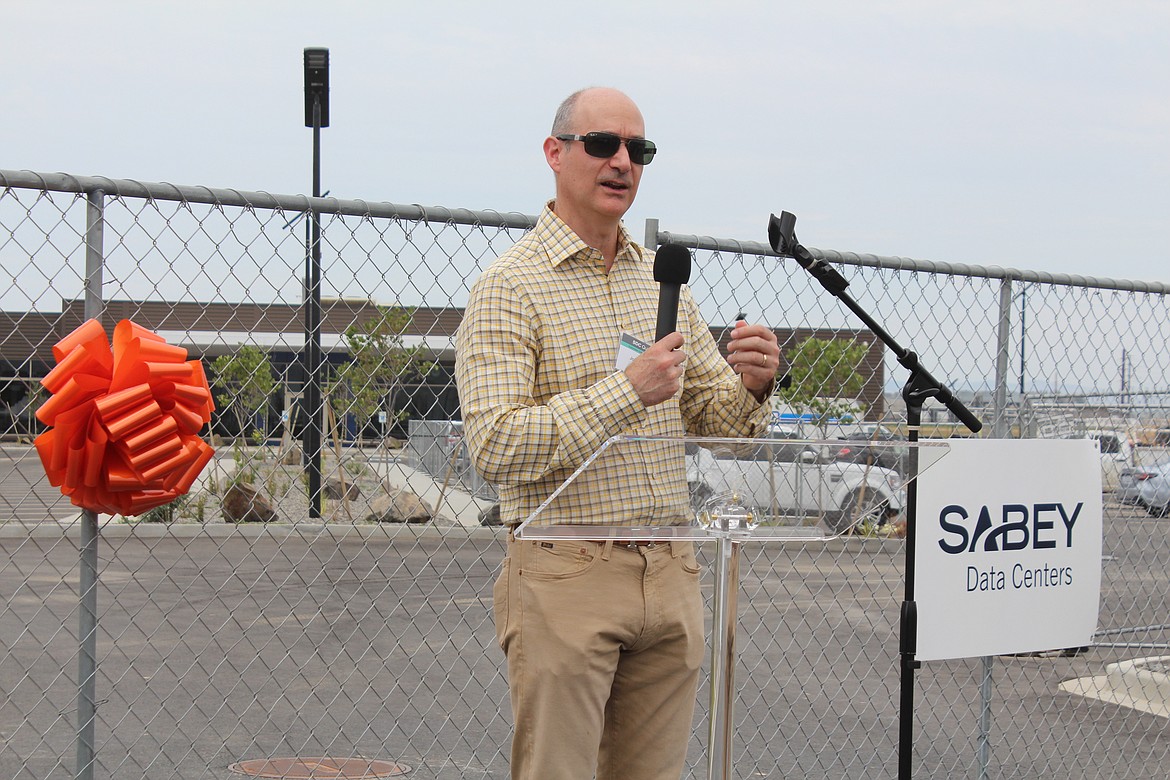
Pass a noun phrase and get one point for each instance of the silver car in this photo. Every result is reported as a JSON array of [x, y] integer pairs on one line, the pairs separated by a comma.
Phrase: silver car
[[1154, 490], [1129, 482]]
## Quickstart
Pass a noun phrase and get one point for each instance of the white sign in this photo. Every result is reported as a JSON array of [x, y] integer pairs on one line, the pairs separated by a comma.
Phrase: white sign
[[1008, 548]]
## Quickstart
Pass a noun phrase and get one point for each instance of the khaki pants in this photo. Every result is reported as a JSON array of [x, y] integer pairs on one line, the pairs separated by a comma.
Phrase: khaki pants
[[604, 645]]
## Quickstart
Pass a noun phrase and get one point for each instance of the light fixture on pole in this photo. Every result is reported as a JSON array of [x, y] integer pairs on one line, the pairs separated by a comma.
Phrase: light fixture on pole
[[316, 117]]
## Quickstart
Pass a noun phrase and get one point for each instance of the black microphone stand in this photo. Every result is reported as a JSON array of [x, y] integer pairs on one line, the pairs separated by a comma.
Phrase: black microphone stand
[[920, 386]]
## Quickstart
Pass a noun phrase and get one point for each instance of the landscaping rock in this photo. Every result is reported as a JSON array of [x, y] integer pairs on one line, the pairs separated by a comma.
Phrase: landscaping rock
[[244, 504], [334, 490], [399, 506], [490, 516]]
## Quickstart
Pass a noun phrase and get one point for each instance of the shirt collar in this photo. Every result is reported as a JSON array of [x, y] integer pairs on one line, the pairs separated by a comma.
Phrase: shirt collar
[[561, 243]]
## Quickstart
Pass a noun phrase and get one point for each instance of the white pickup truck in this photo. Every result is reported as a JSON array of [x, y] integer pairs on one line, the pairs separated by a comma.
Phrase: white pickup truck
[[1116, 454], [778, 478]]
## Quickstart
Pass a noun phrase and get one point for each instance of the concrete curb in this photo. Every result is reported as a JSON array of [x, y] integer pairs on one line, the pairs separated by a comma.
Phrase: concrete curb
[[1142, 684]]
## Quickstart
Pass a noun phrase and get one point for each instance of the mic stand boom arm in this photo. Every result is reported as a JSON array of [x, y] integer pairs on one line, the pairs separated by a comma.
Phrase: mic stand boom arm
[[920, 386], [783, 241]]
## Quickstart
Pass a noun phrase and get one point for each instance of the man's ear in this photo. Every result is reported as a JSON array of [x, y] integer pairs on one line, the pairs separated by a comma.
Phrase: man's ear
[[553, 149]]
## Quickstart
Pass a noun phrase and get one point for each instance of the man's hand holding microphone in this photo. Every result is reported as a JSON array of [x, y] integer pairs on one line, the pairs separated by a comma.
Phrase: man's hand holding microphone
[[656, 374]]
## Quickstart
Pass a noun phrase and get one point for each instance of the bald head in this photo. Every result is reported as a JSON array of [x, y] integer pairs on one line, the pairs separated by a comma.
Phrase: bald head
[[567, 112]]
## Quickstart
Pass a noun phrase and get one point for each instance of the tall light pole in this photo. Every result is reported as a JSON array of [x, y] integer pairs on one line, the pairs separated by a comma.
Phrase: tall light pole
[[316, 117]]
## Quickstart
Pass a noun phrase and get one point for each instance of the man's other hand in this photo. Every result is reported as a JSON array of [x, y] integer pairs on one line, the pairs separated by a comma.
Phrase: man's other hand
[[755, 356]]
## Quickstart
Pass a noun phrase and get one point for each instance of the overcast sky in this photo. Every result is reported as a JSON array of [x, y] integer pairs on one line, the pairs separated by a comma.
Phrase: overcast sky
[[1033, 135]]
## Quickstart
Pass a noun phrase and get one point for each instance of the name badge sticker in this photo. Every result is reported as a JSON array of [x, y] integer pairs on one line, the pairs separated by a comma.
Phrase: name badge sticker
[[629, 347]]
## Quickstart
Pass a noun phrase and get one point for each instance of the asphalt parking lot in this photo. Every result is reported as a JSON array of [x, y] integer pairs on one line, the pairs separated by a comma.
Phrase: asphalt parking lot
[[25, 495], [218, 645]]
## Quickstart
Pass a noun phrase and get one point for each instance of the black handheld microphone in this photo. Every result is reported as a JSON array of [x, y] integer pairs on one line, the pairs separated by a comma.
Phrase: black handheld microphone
[[672, 269]]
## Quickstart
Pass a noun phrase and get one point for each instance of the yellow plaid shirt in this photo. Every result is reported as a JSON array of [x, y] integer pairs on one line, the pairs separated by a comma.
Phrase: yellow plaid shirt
[[540, 392]]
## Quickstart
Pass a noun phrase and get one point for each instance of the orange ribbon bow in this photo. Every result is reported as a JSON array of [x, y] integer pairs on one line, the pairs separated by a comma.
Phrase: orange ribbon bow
[[124, 423]]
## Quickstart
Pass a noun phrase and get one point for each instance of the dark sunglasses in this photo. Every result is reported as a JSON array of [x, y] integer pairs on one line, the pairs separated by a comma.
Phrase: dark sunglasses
[[606, 145]]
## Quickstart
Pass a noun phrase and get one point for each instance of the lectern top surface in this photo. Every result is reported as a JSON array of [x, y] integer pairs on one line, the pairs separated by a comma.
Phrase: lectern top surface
[[772, 487]]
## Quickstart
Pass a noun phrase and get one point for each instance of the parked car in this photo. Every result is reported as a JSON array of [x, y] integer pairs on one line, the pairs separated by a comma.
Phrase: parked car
[[859, 449], [1129, 482], [788, 479], [1154, 490]]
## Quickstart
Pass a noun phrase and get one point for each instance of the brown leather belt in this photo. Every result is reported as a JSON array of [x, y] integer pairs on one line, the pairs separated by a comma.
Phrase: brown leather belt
[[632, 544]]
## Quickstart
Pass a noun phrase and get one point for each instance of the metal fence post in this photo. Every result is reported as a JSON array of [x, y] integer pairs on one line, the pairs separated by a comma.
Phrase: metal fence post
[[88, 568], [1000, 429], [651, 240]]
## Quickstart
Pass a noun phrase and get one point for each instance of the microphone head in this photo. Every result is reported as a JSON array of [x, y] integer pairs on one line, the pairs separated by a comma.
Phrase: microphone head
[[672, 264]]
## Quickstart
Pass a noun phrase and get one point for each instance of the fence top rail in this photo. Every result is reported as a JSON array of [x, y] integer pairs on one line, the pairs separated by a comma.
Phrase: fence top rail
[[896, 263], [130, 188]]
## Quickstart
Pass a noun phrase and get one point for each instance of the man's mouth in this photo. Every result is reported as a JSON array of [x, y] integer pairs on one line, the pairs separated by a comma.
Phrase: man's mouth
[[617, 186]]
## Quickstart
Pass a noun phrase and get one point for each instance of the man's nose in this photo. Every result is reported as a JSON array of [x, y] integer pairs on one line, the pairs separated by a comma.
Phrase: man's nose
[[621, 158]]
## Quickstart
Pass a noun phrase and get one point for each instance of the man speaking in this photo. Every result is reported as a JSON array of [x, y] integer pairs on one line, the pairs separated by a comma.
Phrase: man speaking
[[603, 640]]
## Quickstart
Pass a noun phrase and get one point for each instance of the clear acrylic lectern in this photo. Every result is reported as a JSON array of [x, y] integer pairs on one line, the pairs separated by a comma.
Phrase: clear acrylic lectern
[[731, 490]]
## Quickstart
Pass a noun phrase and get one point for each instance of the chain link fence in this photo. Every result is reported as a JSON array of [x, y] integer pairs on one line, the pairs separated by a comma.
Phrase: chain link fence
[[218, 637]]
